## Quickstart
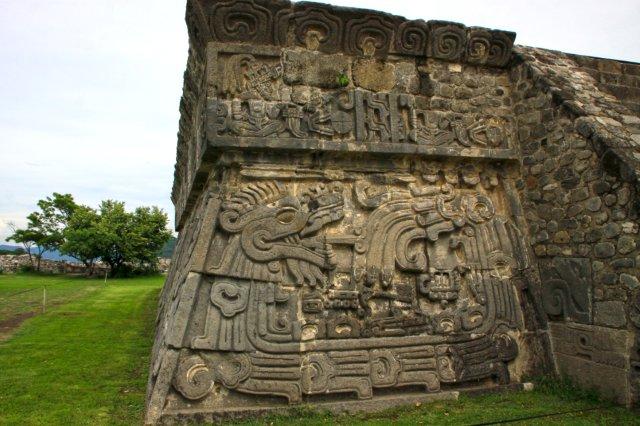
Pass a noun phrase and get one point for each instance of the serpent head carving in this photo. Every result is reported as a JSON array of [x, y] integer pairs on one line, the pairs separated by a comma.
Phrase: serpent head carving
[[273, 225]]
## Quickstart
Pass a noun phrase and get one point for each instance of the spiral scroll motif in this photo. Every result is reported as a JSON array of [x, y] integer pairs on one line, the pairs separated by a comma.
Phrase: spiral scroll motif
[[316, 372], [411, 38], [233, 368], [479, 208], [368, 35], [332, 31], [242, 20], [316, 22], [384, 368], [193, 378], [447, 41], [478, 46], [500, 51]]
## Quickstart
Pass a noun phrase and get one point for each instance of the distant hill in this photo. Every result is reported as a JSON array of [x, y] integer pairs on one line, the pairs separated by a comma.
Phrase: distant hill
[[11, 250], [50, 255]]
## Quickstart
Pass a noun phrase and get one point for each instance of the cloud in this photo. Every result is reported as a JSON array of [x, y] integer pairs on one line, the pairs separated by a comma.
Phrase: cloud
[[90, 102]]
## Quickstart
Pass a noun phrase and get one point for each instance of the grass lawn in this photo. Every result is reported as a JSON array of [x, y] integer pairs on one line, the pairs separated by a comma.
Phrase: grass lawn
[[85, 361], [21, 295], [523, 408]]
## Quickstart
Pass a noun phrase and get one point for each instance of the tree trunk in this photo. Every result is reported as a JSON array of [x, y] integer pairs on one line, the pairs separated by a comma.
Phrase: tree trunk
[[28, 249], [112, 268]]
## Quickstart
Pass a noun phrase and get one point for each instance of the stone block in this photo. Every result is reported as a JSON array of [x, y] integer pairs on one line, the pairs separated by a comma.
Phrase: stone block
[[626, 244], [594, 357], [609, 381], [610, 314], [567, 288], [604, 250], [629, 281], [316, 69], [373, 74]]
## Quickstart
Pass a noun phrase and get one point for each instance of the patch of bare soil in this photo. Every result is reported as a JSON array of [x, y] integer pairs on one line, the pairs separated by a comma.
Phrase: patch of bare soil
[[8, 326]]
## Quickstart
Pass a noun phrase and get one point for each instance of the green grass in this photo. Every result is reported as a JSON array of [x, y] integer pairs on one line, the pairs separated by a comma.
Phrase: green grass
[[23, 293], [85, 361], [82, 362], [578, 409]]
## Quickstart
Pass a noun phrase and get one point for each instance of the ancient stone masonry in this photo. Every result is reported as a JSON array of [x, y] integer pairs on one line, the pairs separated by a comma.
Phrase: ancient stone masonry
[[580, 152], [368, 204]]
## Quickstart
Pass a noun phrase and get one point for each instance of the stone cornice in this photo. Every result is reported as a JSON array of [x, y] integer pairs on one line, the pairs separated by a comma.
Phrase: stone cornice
[[331, 29]]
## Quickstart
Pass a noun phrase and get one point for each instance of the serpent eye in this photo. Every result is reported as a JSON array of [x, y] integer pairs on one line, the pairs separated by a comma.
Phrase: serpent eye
[[286, 215]]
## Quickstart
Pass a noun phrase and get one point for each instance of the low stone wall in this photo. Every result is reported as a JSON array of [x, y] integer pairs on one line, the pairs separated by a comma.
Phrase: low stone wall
[[10, 263], [14, 263]]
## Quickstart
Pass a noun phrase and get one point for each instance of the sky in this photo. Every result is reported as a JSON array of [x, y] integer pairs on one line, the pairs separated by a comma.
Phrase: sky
[[89, 89]]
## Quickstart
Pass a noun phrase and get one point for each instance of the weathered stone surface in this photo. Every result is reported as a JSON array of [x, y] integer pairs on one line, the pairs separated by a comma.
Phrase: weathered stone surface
[[610, 314], [611, 382], [593, 204], [611, 230], [315, 69], [623, 263], [626, 244], [355, 194], [629, 281], [604, 250], [327, 285], [373, 74], [567, 289], [593, 357]]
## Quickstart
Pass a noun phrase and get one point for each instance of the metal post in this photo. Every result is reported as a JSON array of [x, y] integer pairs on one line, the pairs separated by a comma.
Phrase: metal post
[[44, 299], [105, 277]]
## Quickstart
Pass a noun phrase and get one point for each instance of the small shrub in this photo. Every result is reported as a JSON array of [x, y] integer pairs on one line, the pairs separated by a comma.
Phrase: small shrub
[[128, 270], [26, 269], [342, 80]]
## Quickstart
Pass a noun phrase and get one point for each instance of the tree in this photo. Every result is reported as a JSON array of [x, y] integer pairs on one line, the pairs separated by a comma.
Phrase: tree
[[124, 240], [150, 229], [82, 237], [45, 227], [30, 239], [130, 239], [27, 244]]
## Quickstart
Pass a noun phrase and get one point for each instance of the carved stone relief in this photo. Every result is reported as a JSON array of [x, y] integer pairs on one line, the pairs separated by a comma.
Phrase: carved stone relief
[[349, 223], [567, 289], [348, 191], [597, 356], [357, 284], [255, 103], [356, 32]]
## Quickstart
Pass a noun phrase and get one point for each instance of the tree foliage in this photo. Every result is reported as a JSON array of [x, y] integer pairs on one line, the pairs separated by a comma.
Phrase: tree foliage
[[131, 240], [45, 227], [126, 241], [82, 237]]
